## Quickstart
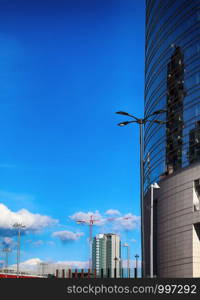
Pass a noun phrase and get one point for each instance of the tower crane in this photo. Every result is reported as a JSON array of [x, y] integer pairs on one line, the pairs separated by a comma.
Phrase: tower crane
[[89, 222]]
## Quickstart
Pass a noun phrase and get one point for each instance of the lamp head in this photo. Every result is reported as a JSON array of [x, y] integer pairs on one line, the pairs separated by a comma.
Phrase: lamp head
[[123, 113], [155, 185], [123, 123]]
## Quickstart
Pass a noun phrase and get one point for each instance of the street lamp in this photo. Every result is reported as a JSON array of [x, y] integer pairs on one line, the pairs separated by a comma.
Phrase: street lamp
[[141, 123], [128, 258], [153, 186], [19, 227]]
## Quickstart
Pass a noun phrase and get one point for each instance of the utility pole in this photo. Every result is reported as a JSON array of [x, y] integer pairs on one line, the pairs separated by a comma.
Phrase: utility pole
[[19, 227]]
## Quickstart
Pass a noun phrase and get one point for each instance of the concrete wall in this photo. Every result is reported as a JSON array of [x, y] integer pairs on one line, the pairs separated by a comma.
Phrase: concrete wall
[[178, 247]]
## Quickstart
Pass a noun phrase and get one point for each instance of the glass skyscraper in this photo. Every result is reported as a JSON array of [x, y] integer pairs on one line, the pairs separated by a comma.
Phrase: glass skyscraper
[[172, 150], [106, 255]]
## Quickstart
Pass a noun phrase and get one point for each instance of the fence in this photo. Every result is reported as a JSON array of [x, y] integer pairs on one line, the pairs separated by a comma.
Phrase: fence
[[96, 273]]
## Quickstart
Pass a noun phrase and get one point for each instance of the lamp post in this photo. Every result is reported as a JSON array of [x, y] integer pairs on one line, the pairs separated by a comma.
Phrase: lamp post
[[141, 123], [153, 186], [128, 258], [18, 226]]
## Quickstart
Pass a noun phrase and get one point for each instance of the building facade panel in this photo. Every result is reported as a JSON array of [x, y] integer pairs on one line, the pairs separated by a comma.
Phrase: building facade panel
[[172, 81], [178, 228], [172, 150]]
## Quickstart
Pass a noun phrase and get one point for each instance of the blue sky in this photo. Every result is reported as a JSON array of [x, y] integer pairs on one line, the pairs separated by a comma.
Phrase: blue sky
[[65, 68]]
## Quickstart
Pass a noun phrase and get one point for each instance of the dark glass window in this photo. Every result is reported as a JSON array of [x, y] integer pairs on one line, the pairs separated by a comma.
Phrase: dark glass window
[[172, 81]]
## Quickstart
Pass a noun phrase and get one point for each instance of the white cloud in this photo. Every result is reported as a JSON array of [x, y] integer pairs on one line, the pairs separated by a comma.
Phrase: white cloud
[[33, 222], [28, 265], [112, 212], [7, 241], [114, 221], [34, 266], [67, 236], [99, 220], [31, 262], [126, 222]]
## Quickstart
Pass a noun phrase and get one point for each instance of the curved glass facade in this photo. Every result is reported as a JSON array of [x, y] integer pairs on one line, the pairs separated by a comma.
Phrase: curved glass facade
[[172, 82]]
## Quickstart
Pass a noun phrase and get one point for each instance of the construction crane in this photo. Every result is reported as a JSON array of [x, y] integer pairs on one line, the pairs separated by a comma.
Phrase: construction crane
[[122, 218], [89, 222]]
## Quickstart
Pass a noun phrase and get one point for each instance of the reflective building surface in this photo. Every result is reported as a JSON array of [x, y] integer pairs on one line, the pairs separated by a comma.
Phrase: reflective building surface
[[172, 150]]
